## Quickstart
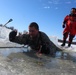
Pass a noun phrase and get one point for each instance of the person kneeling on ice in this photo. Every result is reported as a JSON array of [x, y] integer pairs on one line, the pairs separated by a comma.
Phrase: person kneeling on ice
[[70, 29], [36, 39]]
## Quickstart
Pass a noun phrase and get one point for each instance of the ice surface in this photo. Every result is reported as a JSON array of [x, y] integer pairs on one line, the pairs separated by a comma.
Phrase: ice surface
[[14, 62]]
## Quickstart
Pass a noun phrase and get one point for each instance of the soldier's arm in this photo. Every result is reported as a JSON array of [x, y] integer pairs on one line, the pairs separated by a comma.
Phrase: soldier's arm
[[17, 39]]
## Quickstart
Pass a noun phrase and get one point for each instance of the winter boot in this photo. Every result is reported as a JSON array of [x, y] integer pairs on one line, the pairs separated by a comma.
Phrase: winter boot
[[70, 39], [65, 35], [63, 44], [69, 44]]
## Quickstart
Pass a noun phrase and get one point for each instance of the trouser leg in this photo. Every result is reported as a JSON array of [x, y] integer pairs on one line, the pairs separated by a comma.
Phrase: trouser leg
[[65, 35], [70, 40]]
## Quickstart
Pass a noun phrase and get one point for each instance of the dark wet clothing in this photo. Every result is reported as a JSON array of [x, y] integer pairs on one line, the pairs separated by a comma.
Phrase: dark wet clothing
[[40, 41]]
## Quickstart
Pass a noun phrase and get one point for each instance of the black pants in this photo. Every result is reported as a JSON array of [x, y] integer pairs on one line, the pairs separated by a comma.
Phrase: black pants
[[65, 35]]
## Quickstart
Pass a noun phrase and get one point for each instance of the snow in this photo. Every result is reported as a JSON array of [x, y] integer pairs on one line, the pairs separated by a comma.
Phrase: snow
[[4, 32], [72, 48]]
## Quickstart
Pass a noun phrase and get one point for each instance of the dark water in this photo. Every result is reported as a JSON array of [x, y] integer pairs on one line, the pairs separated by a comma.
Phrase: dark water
[[59, 54]]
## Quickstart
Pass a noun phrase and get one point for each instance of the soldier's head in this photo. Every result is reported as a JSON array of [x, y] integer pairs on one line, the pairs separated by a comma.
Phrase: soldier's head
[[33, 29]]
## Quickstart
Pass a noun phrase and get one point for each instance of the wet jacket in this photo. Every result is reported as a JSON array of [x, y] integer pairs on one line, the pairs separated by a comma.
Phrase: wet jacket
[[70, 21], [41, 40]]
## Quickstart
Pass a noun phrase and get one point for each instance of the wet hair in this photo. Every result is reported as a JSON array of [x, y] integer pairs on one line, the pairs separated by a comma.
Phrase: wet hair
[[35, 25]]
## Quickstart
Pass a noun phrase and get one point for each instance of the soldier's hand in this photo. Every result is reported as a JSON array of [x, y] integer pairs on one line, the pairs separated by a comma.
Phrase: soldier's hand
[[12, 35]]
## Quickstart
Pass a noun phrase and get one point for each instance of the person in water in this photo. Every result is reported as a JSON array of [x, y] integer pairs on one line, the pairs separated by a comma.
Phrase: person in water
[[36, 39]]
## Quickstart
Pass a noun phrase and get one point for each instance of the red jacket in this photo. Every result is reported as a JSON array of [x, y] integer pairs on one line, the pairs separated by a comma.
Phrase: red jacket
[[70, 22]]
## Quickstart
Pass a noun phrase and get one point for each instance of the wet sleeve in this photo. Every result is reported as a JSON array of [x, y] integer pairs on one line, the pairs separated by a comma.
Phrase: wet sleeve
[[18, 39]]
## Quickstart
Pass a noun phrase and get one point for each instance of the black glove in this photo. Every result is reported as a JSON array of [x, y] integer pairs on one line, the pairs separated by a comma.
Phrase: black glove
[[12, 35], [63, 26]]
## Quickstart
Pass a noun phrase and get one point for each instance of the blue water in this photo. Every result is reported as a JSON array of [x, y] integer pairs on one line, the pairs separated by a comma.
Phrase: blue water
[[7, 51]]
